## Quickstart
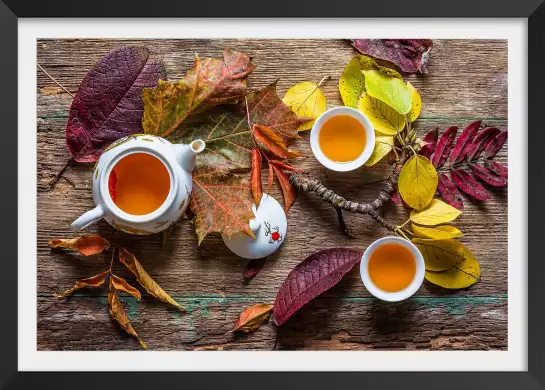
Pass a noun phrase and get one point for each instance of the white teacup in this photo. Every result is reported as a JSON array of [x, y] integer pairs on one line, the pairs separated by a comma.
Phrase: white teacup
[[342, 166]]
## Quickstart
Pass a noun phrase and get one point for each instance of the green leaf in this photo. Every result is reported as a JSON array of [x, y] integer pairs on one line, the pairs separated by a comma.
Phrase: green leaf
[[392, 91]]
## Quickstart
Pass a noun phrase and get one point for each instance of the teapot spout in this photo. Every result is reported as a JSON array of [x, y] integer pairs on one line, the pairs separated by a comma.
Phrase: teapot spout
[[186, 155]]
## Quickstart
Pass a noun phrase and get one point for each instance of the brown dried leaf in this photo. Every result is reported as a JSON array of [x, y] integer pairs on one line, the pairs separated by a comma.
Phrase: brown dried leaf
[[287, 189], [93, 281], [122, 284], [87, 245], [253, 267], [255, 181], [253, 317], [273, 142]]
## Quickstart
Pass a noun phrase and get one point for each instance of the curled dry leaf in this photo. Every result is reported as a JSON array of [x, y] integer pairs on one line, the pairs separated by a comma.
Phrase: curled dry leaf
[[310, 278], [435, 213], [390, 90], [118, 313], [255, 181], [440, 255], [481, 141], [417, 103], [487, 176], [273, 142], [130, 261], [449, 192], [93, 281], [253, 317], [270, 179], [87, 245], [253, 267], [307, 100], [383, 146], [122, 284], [441, 232], [417, 182], [384, 118], [466, 183], [496, 167], [287, 189], [464, 143], [444, 146], [284, 166], [495, 145], [431, 143]]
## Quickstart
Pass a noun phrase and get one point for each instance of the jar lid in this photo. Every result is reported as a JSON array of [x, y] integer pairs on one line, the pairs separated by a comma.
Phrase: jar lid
[[269, 227]]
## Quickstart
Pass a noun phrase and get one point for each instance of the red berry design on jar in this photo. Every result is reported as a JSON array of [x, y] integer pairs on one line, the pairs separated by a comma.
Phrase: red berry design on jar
[[275, 236]]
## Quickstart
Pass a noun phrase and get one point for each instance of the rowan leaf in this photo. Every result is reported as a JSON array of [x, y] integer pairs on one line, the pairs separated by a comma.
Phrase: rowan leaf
[[253, 317], [431, 143], [444, 146], [441, 255], [255, 177], [306, 99], [481, 141], [122, 284], [211, 82], [273, 142], [466, 183], [497, 168], [417, 182], [108, 105], [464, 142], [384, 118], [449, 192], [383, 146], [118, 313], [411, 55], [441, 232], [416, 105], [435, 213], [287, 189], [87, 245], [495, 145], [390, 90], [310, 278], [145, 280], [487, 176], [464, 274], [352, 80], [93, 281]]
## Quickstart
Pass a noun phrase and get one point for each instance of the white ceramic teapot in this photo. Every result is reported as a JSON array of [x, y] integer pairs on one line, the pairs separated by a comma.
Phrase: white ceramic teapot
[[179, 161]]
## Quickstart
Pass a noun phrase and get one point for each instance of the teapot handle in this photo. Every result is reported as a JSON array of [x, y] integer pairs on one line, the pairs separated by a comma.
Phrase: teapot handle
[[88, 218]]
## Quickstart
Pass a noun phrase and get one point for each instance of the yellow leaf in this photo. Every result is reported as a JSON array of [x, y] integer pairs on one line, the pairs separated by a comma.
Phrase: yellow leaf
[[384, 118], [253, 317], [436, 212], [417, 182], [417, 103], [306, 99], [438, 232], [440, 255], [390, 90], [130, 261], [93, 281], [383, 146], [462, 275], [121, 284]]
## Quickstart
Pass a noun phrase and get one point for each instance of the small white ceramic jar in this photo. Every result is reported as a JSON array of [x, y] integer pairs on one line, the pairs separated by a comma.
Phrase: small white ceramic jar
[[398, 295], [369, 139]]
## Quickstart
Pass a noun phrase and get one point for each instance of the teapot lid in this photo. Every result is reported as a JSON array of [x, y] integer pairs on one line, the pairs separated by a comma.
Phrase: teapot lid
[[269, 227]]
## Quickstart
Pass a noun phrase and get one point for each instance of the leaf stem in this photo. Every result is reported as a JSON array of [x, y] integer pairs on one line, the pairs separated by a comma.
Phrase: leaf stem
[[55, 81], [323, 80]]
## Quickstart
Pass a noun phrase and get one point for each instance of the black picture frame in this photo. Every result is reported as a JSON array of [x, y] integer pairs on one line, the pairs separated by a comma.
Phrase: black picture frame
[[11, 10]]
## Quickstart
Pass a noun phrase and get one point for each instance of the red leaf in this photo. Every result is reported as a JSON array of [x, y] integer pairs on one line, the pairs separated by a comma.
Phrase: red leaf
[[273, 142], [310, 278], [431, 140], [449, 192], [481, 141], [488, 177], [411, 55], [464, 142], [287, 189], [253, 267], [255, 181], [396, 197], [444, 146], [495, 145], [271, 178], [108, 104], [283, 165], [465, 182], [497, 168]]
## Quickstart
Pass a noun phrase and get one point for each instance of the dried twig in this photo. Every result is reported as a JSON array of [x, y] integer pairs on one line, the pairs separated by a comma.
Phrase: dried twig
[[55, 81]]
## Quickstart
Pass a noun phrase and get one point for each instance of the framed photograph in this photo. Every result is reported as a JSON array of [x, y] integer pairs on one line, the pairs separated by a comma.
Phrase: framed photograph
[[326, 197]]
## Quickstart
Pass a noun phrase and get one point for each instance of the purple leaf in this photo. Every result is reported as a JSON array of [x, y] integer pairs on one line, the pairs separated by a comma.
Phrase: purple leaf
[[444, 146], [431, 141], [495, 145], [497, 168], [108, 105], [465, 182], [253, 267], [449, 192], [481, 141], [411, 55], [464, 142], [488, 177]]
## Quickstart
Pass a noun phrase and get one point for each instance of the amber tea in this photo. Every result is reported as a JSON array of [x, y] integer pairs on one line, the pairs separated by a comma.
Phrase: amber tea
[[342, 138], [392, 267]]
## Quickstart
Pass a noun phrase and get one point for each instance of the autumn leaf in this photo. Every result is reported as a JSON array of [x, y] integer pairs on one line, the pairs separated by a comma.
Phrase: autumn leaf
[[273, 142], [253, 317], [466, 183], [121, 284], [93, 281], [390, 90], [435, 213], [481, 141], [118, 313], [463, 145], [282, 165], [449, 192], [440, 255], [444, 147], [287, 189], [211, 82], [87, 245], [384, 118], [497, 168], [441, 232], [416, 107], [270, 178], [108, 105], [462, 275], [310, 278], [306, 99], [430, 143], [255, 177], [352, 80], [495, 145], [253, 267], [487, 176], [383, 146], [130, 261], [417, 182]]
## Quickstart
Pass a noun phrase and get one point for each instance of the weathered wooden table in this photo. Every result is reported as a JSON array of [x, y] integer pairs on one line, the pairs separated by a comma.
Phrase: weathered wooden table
[[467, 80]]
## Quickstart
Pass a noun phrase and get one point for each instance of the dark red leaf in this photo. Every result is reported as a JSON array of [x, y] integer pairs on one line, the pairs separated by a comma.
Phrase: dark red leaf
[[396, 197], [310, 278], [431, 140], [495, 167], [255, 177], [108, 104], [481, 141], [465, 182], [411, 55], [464, 142], [444, 146], [449, 192], [253, 267], [495, 145], [488, 177]]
